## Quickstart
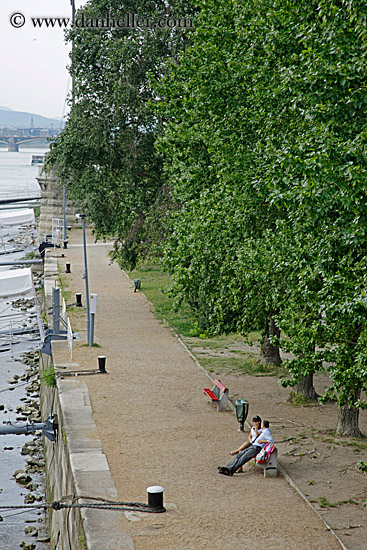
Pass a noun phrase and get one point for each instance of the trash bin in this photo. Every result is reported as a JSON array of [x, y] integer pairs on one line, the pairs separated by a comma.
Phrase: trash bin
[[241, 412], [137, 284]]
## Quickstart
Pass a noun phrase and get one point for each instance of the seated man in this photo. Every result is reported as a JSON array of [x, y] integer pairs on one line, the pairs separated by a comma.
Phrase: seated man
[[255, 431], [254, 448]]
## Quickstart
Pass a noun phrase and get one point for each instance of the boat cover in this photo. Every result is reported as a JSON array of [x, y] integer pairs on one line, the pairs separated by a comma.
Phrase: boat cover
[[17, 217], [16, 283]]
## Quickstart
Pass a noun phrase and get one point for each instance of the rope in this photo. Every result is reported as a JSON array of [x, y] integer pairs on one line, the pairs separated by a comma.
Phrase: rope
[[102, 504]]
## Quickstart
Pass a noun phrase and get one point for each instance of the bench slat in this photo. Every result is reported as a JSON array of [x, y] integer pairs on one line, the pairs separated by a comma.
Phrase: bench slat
[[219, 384], [210, 394]]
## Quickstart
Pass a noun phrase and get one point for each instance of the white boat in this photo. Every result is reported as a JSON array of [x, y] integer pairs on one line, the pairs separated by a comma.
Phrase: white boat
[[38, 160]]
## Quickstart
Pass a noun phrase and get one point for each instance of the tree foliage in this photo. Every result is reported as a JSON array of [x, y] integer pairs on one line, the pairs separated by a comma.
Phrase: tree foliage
[[106, 155], [266, 145]]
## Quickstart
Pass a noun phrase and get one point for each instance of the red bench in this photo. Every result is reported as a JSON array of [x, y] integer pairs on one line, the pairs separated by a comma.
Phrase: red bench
[[218, 394]]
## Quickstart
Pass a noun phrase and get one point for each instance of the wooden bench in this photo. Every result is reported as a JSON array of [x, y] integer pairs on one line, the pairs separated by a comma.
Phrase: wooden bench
[[271, 466], [218, 394]]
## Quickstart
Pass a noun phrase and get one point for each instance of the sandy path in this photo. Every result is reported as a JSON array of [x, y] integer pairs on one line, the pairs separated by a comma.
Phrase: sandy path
[[157, 427]]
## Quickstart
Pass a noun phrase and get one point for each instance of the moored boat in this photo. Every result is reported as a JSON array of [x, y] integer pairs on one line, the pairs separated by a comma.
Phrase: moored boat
[[38, 160]]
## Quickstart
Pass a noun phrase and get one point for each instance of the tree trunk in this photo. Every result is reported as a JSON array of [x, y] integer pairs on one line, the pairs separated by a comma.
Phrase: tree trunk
[[348, 419], [305, 387], [270, 354]]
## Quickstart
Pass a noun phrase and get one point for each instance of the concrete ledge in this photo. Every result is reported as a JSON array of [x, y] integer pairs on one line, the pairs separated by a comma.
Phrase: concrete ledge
[[76, 465]]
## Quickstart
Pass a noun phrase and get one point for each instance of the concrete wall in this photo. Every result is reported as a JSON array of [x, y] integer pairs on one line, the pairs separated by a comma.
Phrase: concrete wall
[[66, 526], [52, 202]]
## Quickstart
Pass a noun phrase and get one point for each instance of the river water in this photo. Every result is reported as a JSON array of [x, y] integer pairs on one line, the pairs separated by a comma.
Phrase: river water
[[17, 176]]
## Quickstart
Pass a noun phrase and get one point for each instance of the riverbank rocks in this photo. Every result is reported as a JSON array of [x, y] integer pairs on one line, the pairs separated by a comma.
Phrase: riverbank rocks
[[32, 486], [43, 539], [22, 477], [23, 303], [31, 531], [29, 411], [32, 388], [29, 448], [31, 358], [39, 463]]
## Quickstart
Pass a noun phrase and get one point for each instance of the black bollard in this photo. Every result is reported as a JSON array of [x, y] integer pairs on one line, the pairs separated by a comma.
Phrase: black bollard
[[78, 297], [68, 270], [155, 497], [102, 363]]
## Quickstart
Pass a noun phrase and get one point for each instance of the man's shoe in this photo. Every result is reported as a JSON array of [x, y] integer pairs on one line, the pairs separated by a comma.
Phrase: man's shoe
[[225, 471]]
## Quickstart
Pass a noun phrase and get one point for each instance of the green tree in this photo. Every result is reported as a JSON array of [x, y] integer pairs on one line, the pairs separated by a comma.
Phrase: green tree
[[223, 207], [106, 155]]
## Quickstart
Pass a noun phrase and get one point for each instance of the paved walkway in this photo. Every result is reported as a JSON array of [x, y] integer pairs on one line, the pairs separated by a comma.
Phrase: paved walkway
[[158, 428]]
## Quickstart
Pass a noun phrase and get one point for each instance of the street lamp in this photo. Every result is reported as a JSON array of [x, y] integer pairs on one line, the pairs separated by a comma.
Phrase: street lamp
[[85, 275], [72, 46], [65, 236], [93, 311]]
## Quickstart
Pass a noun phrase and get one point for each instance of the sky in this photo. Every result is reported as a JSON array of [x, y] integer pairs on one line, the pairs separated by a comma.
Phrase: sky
[[33, 61]]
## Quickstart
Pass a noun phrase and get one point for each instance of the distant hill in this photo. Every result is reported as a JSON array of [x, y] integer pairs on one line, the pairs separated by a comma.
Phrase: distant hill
[[19, 119]]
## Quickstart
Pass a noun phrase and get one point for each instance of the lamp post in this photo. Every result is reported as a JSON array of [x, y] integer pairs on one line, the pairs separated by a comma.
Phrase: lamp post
[[93, 311], [65, 236], [72, 47], [85, 276]]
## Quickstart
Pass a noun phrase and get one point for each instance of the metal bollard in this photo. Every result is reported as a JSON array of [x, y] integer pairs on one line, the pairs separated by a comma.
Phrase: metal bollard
[[67, 268], [102, 363], [155, 497], [78, 298]]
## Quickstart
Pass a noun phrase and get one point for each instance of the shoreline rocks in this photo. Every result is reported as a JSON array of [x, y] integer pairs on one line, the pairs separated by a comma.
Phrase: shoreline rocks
[[33, 450]]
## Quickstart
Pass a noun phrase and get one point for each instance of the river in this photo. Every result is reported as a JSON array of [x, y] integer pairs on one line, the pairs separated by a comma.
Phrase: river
[[16, 176]]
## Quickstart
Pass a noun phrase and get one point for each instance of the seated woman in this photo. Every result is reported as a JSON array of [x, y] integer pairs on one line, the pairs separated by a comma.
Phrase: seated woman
[[254, 433]]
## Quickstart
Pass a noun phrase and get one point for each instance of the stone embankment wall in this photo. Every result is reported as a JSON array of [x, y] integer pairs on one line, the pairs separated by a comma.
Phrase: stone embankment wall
[[75, 464], [52, 203], [66, 526]]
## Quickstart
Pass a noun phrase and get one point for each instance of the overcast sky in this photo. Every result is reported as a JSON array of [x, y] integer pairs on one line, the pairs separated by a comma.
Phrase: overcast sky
[[33, 63]]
